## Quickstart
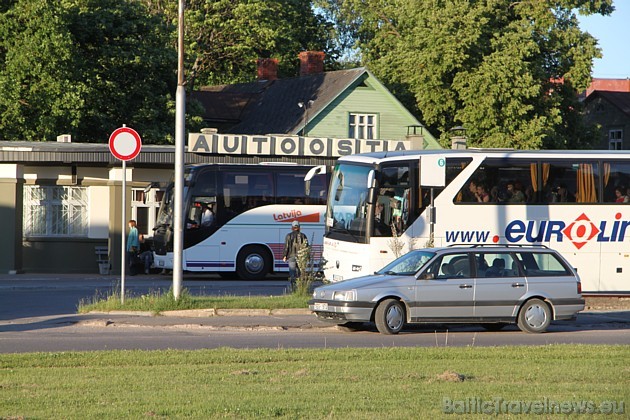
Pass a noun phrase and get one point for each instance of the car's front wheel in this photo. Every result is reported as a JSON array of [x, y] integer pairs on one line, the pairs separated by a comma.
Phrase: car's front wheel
[[534, 316], [390, 316]]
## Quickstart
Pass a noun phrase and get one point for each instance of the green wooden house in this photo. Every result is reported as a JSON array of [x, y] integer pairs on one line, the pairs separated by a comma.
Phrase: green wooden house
[[336, 104]]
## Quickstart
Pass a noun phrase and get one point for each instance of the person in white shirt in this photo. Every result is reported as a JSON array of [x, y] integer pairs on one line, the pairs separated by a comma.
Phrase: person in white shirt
[[208, 216]]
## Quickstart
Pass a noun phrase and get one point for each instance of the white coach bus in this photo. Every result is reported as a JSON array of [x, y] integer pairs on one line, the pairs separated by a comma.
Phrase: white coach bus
[[237, 217], [575, 202]]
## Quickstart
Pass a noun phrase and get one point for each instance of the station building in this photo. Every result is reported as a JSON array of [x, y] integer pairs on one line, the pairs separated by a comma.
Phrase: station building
[[61, 201]]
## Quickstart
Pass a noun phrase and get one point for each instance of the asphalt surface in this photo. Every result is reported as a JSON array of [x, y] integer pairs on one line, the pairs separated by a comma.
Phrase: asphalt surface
[[260, 320], [254, 319]]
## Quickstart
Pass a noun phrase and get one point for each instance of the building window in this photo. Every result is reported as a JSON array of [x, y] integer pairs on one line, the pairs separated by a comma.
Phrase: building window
[[362, 126], [55, 211], [144, 208], [615, 139]]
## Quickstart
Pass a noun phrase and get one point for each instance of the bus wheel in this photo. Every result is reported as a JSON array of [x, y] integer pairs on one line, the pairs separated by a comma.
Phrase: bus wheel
[[253, 262]]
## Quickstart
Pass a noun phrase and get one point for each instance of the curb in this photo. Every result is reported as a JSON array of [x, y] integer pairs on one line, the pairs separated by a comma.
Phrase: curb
[[211, 312]]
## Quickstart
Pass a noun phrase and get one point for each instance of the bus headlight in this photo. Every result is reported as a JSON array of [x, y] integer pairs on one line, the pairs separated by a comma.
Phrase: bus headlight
[[347, 295]]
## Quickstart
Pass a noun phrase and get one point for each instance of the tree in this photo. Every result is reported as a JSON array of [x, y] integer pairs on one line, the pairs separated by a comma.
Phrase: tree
[[224, 38], [508, 71], [84, 67]]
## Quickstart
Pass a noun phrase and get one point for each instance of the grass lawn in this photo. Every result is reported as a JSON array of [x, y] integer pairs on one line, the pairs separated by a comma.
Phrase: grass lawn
[[398, 383], [158, 302]]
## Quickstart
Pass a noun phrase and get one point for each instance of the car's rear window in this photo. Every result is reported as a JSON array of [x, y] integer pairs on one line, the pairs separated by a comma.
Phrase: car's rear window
[[542, 264]]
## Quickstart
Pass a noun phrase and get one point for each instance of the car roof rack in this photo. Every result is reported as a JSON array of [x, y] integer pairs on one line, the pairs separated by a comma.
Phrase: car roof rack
[[500, 245]]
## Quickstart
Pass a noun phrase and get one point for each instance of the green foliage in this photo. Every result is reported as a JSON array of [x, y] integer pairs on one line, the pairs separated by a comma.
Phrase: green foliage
[[157, 302], [224, 38], [343, 383], [84, 67], [494, 67], [310, 269]]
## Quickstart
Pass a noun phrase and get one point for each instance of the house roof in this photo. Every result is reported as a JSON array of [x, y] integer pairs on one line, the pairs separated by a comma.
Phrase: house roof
[[271, 107], [620, 100]]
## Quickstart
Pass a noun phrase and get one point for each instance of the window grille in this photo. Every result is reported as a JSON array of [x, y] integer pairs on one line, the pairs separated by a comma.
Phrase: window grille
[[55, 211]]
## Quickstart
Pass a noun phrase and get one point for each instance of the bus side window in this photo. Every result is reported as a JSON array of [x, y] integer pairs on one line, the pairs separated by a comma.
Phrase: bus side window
[[260, 190], [318, 190], [290, 188]]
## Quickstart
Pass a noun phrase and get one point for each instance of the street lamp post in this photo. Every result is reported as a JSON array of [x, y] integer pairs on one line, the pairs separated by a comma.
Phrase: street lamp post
[[180, 132], [306, 105]]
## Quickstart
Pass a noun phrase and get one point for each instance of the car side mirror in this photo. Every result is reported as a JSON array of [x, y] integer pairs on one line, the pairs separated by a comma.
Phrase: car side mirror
[[427, 276]]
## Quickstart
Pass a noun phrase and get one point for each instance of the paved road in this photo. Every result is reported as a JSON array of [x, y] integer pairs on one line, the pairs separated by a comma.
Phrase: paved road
[[38, 314], [29, 295], [96, 332]]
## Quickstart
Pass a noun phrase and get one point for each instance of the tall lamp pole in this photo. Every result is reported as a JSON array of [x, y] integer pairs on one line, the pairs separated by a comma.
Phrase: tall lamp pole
[[306, 105], [180, 132]]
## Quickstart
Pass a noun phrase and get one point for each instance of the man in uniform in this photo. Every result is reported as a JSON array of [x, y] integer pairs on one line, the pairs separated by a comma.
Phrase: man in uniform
[[293, 242]]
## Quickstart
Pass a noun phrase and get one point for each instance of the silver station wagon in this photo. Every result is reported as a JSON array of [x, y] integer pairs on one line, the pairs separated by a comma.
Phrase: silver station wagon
[[492, 285]]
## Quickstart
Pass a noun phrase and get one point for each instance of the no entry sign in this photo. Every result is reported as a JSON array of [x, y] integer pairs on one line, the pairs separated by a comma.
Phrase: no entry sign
[[125, 143]]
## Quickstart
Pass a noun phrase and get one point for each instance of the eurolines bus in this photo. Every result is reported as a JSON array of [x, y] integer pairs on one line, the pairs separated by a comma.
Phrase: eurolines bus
[[572, 201], [250, 208]]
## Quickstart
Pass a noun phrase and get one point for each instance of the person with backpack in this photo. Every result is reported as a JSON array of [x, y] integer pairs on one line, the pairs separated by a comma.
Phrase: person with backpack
[[293, 242]]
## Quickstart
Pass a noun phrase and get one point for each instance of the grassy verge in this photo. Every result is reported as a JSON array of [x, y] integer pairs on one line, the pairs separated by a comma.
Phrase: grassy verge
[[334, 383], [157, 302]]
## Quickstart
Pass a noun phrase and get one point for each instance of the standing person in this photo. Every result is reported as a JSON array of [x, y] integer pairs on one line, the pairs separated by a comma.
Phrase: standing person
[[133, 246], [292, 244]]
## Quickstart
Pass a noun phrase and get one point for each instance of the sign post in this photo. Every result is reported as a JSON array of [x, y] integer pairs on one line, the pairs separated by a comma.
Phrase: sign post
[[125, 144]]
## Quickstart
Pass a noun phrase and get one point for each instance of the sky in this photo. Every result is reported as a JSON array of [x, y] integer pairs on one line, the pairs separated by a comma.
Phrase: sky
[[613, 35]]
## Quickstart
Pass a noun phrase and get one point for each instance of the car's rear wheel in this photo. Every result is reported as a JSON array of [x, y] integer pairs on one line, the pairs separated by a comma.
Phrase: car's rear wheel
[[390, 316], [253, 262], [534, 316]]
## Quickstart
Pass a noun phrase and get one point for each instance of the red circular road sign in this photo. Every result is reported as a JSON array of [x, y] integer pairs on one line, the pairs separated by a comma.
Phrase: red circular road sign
[[125, 143]]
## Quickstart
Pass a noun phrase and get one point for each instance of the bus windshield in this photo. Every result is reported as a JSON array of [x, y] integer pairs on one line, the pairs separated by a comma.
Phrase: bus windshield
[[346, 213]]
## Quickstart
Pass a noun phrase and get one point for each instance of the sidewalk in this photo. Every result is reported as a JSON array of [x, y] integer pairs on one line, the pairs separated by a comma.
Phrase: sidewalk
[[598, 310], [222, 319]]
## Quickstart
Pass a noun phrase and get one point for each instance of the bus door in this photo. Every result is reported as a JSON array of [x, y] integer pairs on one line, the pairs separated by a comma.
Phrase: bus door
[[200, 252]]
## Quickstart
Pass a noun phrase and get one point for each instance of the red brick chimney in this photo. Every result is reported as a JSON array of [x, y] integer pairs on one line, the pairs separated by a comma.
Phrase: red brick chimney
[[267, 68], [311, 62]]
